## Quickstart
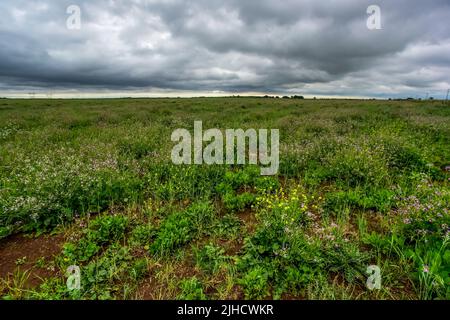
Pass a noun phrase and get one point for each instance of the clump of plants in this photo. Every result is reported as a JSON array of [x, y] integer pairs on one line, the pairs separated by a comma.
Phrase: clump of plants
[[102, 231], [238, 188], [210, 258], [191, 289], [142, 235], [281, 257], [180, 228]]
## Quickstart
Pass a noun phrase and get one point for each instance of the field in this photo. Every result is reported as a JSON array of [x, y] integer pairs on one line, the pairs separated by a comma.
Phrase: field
[[91, 183]]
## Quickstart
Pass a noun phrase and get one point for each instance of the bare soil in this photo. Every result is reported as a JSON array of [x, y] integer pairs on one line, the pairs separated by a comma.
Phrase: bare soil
[[23, 252]]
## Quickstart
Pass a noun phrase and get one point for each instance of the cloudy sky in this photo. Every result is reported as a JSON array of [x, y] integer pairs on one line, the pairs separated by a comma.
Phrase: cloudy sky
[[307, 47]]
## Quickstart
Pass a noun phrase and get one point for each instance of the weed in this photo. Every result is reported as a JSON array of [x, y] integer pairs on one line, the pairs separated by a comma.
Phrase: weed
[[210, 258], [191, 289], [102, 230], [180, 228], [359, 182]]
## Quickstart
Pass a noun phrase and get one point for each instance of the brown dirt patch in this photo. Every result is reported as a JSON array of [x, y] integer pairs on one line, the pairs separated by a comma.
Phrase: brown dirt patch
[[249, 219], [231, 247], [152, 288], [149, 288], [23, 252]]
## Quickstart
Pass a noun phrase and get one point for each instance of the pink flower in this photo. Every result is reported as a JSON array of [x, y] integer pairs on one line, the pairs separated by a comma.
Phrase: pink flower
[[425, 269]]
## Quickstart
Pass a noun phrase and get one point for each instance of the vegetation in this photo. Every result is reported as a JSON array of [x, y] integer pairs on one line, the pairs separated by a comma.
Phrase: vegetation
[[360, 183]]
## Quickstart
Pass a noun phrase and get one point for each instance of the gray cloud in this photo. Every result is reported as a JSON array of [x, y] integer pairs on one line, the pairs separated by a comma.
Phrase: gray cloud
[[293, 46]]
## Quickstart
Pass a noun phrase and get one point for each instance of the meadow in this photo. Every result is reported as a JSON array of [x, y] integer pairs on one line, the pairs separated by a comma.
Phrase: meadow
[[91, 183]]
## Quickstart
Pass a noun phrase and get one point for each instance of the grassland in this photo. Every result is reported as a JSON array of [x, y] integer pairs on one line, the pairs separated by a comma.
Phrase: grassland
[[91, 183]]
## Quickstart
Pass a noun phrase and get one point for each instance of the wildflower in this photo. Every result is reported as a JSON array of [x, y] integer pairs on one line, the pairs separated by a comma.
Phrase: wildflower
[[447, 235], [425, 269], [406, 221]]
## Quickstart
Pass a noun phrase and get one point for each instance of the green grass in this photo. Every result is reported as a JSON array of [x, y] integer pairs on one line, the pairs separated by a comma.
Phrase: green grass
[[360, 183]]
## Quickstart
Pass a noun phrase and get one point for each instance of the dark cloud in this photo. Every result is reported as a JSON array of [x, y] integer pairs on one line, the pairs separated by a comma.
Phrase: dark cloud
[[299, 46]]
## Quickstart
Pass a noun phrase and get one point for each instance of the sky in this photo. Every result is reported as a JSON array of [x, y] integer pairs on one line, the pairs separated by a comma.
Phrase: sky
[[209, 47]]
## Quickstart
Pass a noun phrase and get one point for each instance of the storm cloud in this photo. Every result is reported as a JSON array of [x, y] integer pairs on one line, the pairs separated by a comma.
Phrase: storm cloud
[[290, 46]]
